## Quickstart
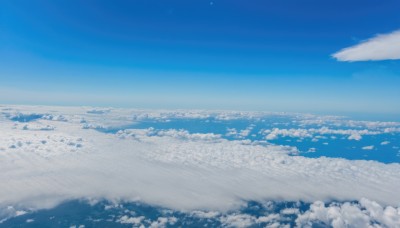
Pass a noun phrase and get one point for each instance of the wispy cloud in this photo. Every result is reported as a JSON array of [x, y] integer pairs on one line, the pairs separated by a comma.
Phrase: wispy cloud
[[380, 47]]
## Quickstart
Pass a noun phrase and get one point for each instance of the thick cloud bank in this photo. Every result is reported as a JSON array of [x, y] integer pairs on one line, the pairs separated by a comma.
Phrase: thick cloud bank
[[49, 160], [380, 47]]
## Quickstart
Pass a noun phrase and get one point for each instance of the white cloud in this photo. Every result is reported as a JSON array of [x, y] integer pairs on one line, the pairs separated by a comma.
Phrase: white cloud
[[204, 214], [162, 222], [380, 47], [368, 147], [239, 220], [245, 220], [353, 134], [239, 134], [312, 150], [131, 220], [294, 133], [385, 143], [289, 211], [171, 168], [366, 213]]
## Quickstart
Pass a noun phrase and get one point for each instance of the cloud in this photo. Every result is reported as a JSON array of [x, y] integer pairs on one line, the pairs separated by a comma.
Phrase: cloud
[[131, 220], [294, 133], [312, 150], [232, 132], [380, 47], [171, 168], [366, 213], [368, 147], [363, 213], [353, 134]]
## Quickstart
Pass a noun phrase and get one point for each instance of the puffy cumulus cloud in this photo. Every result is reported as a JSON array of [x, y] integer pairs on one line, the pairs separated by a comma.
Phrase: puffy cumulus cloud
[[353, 134], [366, 213], [131, 220], [335, 122], [380, 47], [246, 220], [142, 221], [232, 132], [143, 134], [163, 221], [111, 118], [183, 134], [294, 133], [39, 139], [34, 126], [290, 211], [172, 169], [238, 220]]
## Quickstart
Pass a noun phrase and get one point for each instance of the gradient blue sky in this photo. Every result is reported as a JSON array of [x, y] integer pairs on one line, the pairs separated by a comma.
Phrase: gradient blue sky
[[271, 55]]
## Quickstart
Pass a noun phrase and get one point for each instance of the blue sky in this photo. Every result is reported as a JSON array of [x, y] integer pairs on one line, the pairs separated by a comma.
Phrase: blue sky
[[243, 55]]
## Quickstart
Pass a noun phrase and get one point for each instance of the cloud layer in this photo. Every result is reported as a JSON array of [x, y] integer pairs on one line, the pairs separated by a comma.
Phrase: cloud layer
[[50, 160], [380, 47]]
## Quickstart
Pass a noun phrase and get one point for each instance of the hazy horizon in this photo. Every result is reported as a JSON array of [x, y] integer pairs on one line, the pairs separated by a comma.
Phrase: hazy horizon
[[277, 55]]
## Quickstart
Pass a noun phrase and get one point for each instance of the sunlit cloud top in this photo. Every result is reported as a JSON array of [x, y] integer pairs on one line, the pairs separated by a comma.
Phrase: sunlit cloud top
[[380, 47]]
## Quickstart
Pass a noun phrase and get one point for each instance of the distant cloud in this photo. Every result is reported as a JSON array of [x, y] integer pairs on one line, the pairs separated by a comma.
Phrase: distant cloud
[[312, 150], [353, 134], [380, 47], [368, 148]]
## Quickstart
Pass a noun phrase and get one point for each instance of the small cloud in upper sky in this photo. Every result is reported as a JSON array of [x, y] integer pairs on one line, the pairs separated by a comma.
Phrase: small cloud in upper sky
[[380, 47]]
